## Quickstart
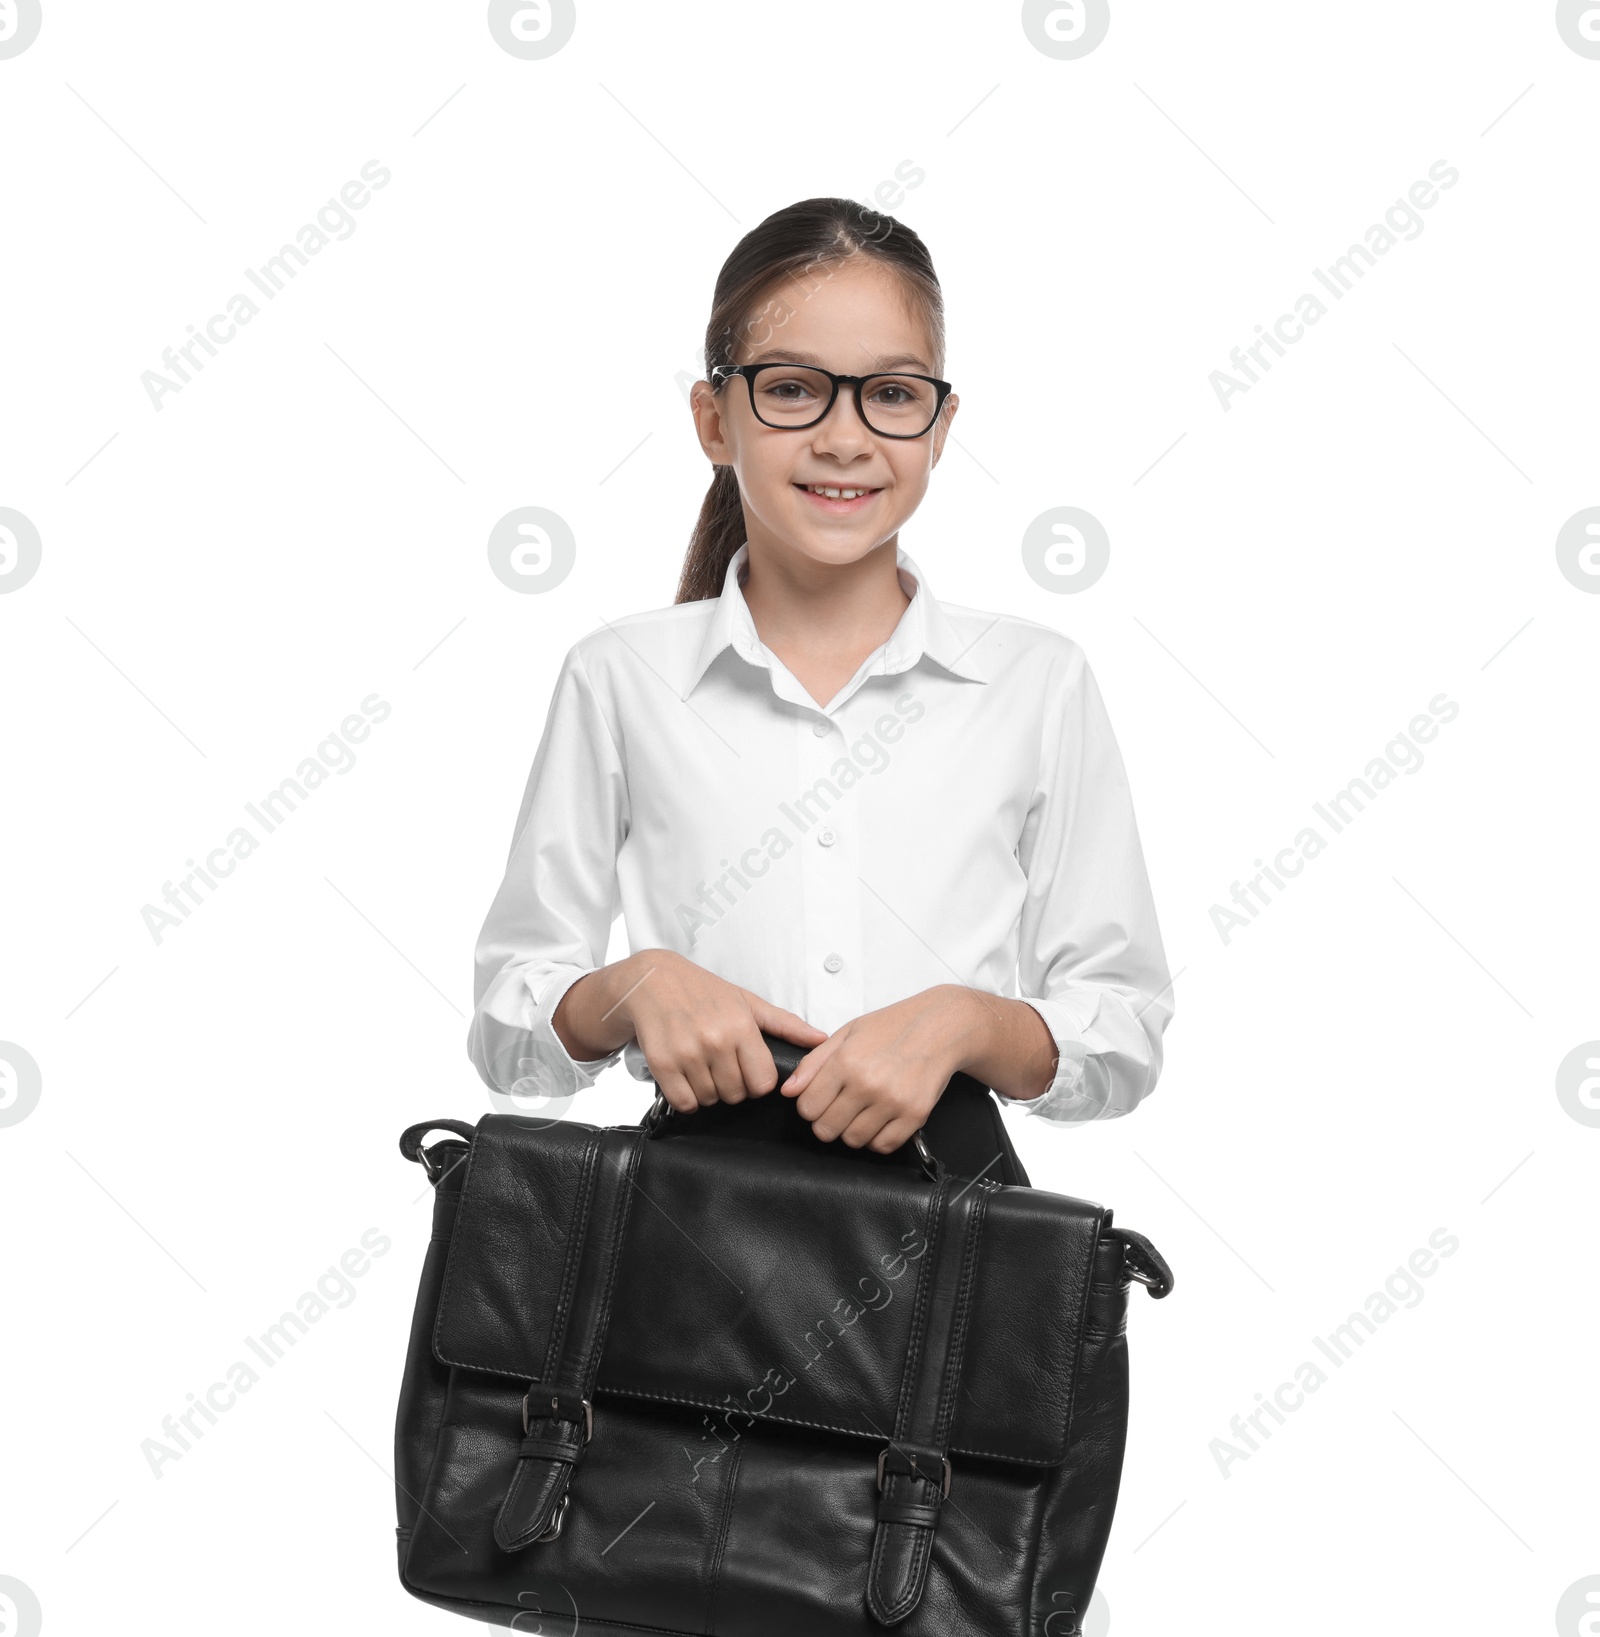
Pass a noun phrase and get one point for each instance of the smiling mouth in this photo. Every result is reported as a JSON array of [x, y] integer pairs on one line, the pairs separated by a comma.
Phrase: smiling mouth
[[840, 494]]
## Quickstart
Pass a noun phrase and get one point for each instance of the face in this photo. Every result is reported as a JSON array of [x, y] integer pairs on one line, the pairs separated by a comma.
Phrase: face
[[853, 321]]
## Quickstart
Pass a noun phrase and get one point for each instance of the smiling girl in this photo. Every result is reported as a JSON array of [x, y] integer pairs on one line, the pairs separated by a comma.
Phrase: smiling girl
[[892, 831]]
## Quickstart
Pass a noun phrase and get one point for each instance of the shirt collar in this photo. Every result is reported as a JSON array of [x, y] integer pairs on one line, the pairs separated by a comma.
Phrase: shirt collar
[[924, 628]]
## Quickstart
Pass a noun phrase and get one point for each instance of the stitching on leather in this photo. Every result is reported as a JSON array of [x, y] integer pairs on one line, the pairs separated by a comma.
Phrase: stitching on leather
[[722, 1536], [880, 1538], [554, 1479], [556, 1482], [518, 1478], [933, 1230], [904, 1488], [451, 1268], [917, 1568], [1009, 1457], [922, 1542], [619, 1223], [921, 1546], [957, 1358], [794, 1421], [1100, 1224], [896, 1483], [574, 1260]]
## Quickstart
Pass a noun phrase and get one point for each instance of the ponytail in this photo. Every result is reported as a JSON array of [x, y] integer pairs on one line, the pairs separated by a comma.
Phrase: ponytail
[[718, 534]]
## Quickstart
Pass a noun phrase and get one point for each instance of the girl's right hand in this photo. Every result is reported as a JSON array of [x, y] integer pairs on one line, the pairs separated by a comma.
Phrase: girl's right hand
[[700, 1034]]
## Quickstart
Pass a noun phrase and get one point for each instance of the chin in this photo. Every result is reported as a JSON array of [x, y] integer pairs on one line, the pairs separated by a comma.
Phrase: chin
[[837, 546]]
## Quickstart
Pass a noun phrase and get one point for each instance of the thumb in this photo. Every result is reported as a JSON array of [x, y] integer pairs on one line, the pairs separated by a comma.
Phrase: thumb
[[785, 1025]]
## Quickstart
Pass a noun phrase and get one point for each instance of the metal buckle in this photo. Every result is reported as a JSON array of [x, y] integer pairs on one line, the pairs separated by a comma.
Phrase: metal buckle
[[883, 1455], [555, 1527], [588, 1420], [1139, 1274]]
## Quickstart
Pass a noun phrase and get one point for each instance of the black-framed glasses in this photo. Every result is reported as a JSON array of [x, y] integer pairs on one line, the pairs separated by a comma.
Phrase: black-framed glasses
[[794, 396]]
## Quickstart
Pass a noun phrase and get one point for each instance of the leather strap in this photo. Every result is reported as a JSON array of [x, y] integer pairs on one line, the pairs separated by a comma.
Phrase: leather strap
[[411, 1143], [1142, 1261], [556, 1410], [915, 1465]]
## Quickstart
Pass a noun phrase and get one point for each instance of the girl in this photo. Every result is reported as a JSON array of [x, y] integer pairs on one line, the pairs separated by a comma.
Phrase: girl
[[829, 807]]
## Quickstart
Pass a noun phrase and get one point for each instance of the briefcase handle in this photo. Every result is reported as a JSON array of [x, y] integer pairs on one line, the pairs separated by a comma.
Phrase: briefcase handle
[[786, 1056]]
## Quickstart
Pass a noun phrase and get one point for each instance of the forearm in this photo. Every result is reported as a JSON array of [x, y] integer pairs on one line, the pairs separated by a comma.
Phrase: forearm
[[593, 1017], [1002, 1042]]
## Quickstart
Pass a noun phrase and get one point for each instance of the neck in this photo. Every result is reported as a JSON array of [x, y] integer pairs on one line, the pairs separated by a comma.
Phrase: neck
[[803, 606]]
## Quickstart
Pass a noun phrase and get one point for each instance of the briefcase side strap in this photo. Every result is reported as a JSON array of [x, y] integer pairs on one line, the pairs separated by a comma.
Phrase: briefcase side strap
[[557, 1418], [914, 1469], [1143, 1262], [411, 1144]]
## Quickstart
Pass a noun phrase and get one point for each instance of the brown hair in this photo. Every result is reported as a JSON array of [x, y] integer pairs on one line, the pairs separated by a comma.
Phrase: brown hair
[[815, 234]]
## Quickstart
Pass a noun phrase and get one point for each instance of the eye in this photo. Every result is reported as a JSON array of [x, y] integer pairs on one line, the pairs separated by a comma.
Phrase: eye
[[789, 389]]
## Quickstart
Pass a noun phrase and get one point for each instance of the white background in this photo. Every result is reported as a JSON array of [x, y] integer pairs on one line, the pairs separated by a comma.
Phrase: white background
[[1292, 579]]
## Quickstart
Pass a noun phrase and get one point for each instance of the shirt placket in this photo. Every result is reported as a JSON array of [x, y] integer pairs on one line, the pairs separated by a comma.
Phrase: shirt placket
[[830, 860]]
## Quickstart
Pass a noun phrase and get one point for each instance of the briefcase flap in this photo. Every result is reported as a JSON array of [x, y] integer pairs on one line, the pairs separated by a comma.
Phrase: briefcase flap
[[759, 1280]]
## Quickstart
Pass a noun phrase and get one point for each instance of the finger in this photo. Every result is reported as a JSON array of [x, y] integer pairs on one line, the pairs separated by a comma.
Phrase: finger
[[837, 1118], [866, 1128], [677, 1091], [727, 1075], [896, 1134], [810, 1066], [785, 1025], [698, 1074], [829, 1104], [756, 1065]]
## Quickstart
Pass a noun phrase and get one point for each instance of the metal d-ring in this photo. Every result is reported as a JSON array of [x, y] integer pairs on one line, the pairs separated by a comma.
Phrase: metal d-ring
[[930, 1164]]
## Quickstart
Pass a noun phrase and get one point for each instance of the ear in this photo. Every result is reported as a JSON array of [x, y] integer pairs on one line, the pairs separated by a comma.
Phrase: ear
[[706, 408]]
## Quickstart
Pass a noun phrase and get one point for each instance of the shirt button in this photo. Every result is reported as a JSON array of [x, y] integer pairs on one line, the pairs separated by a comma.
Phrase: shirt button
[[833, 963], [820, 727], [826, 838]]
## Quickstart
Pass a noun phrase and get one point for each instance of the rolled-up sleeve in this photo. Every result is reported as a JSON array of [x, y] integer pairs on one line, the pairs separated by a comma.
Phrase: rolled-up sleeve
[[1090, 958], [551, 919]]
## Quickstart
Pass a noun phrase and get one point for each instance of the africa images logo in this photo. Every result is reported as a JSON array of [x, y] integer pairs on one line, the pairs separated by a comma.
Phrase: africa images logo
[[20, 1614], [20, 1086], [1579, 24], [19, 28], [20, 549]]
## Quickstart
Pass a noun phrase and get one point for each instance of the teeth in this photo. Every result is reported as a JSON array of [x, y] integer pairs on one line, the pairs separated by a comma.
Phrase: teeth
[[837, 494]]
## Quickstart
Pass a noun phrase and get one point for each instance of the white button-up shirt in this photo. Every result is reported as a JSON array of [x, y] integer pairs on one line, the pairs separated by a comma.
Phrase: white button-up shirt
[[957, 813]]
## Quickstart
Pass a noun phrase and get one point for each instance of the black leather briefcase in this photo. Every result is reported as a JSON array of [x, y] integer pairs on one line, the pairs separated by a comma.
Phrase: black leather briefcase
[[758, 1389]]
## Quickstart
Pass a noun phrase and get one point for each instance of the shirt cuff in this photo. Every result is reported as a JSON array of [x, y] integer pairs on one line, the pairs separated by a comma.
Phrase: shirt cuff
[[517, 1050], [548, 1058], [1070, 1096]]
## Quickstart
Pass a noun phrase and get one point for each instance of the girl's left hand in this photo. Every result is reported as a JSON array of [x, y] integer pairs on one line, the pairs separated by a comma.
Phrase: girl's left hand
[[875, 1080]]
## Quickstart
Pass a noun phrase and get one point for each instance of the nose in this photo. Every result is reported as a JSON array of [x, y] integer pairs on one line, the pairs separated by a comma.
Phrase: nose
[[842, 429]]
